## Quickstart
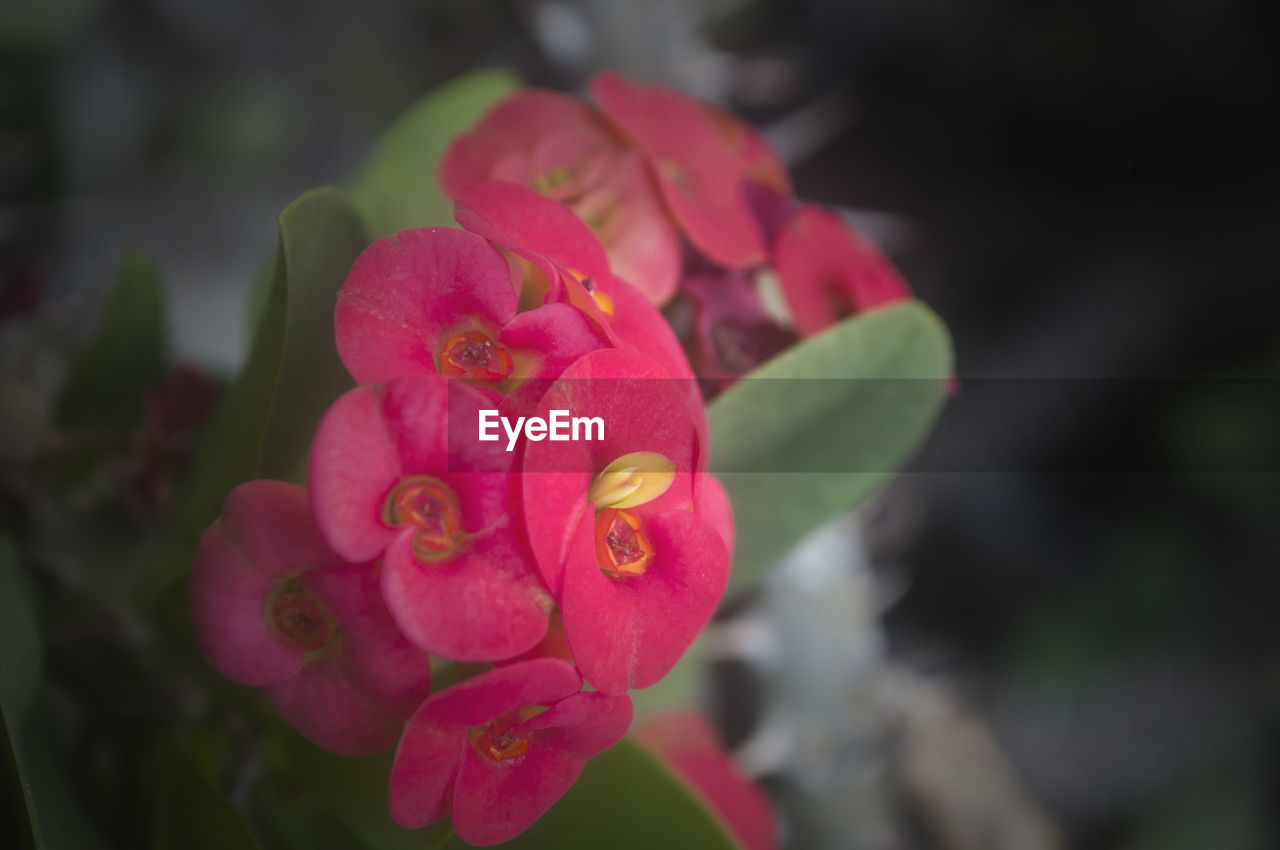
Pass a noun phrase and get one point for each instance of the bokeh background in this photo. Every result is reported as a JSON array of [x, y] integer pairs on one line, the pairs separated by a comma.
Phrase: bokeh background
[[1058, 627]]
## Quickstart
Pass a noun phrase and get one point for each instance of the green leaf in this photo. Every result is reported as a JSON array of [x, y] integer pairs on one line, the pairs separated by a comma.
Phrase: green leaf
[[187, 811], [19, 637], [264, 425], [106, 380], [307, 790], [229, 450], [855, 400], [396, 187], [321, 234], [625, 799], [46, 813]]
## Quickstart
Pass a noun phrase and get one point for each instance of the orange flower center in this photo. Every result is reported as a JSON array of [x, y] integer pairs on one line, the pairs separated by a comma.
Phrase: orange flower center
[[475, 356], [299, 618], [622, 549], [499, 740], [431, 507]]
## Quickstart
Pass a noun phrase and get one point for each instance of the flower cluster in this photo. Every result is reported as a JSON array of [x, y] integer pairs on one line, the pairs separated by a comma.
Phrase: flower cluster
[[692, 206], [561, 563]]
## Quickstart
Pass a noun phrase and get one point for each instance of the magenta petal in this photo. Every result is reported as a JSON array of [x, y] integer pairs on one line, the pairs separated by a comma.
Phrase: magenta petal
[[627, 633], [374, 657], [407, 292], [640, 238], [690, 746], [640, 326], [555, 503], [354, 464], [693, 163], [264, 535], [228, 598], [270, 522], [643, 409], [483, 603], [829, 272], [542, 230], [432, 745], [496, 801], [545, 341], [515, 124], [583, 725], [326, 710], [714, 506]]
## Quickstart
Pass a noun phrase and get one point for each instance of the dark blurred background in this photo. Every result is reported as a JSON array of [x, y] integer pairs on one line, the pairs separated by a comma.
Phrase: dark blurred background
[[1085, 191]]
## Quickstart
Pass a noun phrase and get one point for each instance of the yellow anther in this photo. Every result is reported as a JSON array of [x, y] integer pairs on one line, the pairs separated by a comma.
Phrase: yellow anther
[[631, 480]]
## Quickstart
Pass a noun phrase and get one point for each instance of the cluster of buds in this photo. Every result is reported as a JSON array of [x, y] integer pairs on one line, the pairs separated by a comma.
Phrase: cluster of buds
[[692, 206], [564, 561]]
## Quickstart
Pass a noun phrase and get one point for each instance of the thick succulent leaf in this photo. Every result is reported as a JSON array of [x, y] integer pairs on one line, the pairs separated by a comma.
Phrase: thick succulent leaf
[[264, 424], [46, 815], [321, 234], [105, 382], [814, 431], [396, 187]]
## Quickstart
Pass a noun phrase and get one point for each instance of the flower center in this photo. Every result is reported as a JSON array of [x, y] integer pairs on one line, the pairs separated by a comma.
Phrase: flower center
[[431, 507], [622, 549], [550, 180], [499, 740], [632, 479], [475, 356], [299, 618]]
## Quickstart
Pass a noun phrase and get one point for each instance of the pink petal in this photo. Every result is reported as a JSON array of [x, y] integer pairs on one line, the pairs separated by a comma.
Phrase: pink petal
[[542, 230], [375, 658], [693, 164], [643, 410], [516, 123], [327, 711], [264, 535], [228, 596], [582, 725], [641, 327], [406, 293], [353, 466], [270, 522], [555, 503], [483, 603], [758, 160], [690, 746], [638, 234], [374, 437], [829, 272], [544, 342], [434, 739], [714, 506], [495, 801], [627, 633]]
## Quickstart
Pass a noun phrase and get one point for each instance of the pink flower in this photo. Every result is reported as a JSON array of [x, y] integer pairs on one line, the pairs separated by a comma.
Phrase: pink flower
[[697, 167], [387, 479], [441, 300], [568, 255], [757, 160], [497, 750], [689, 745], [829, 272], [615, 524], [560, 147], [731, 334], [273, 607]]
